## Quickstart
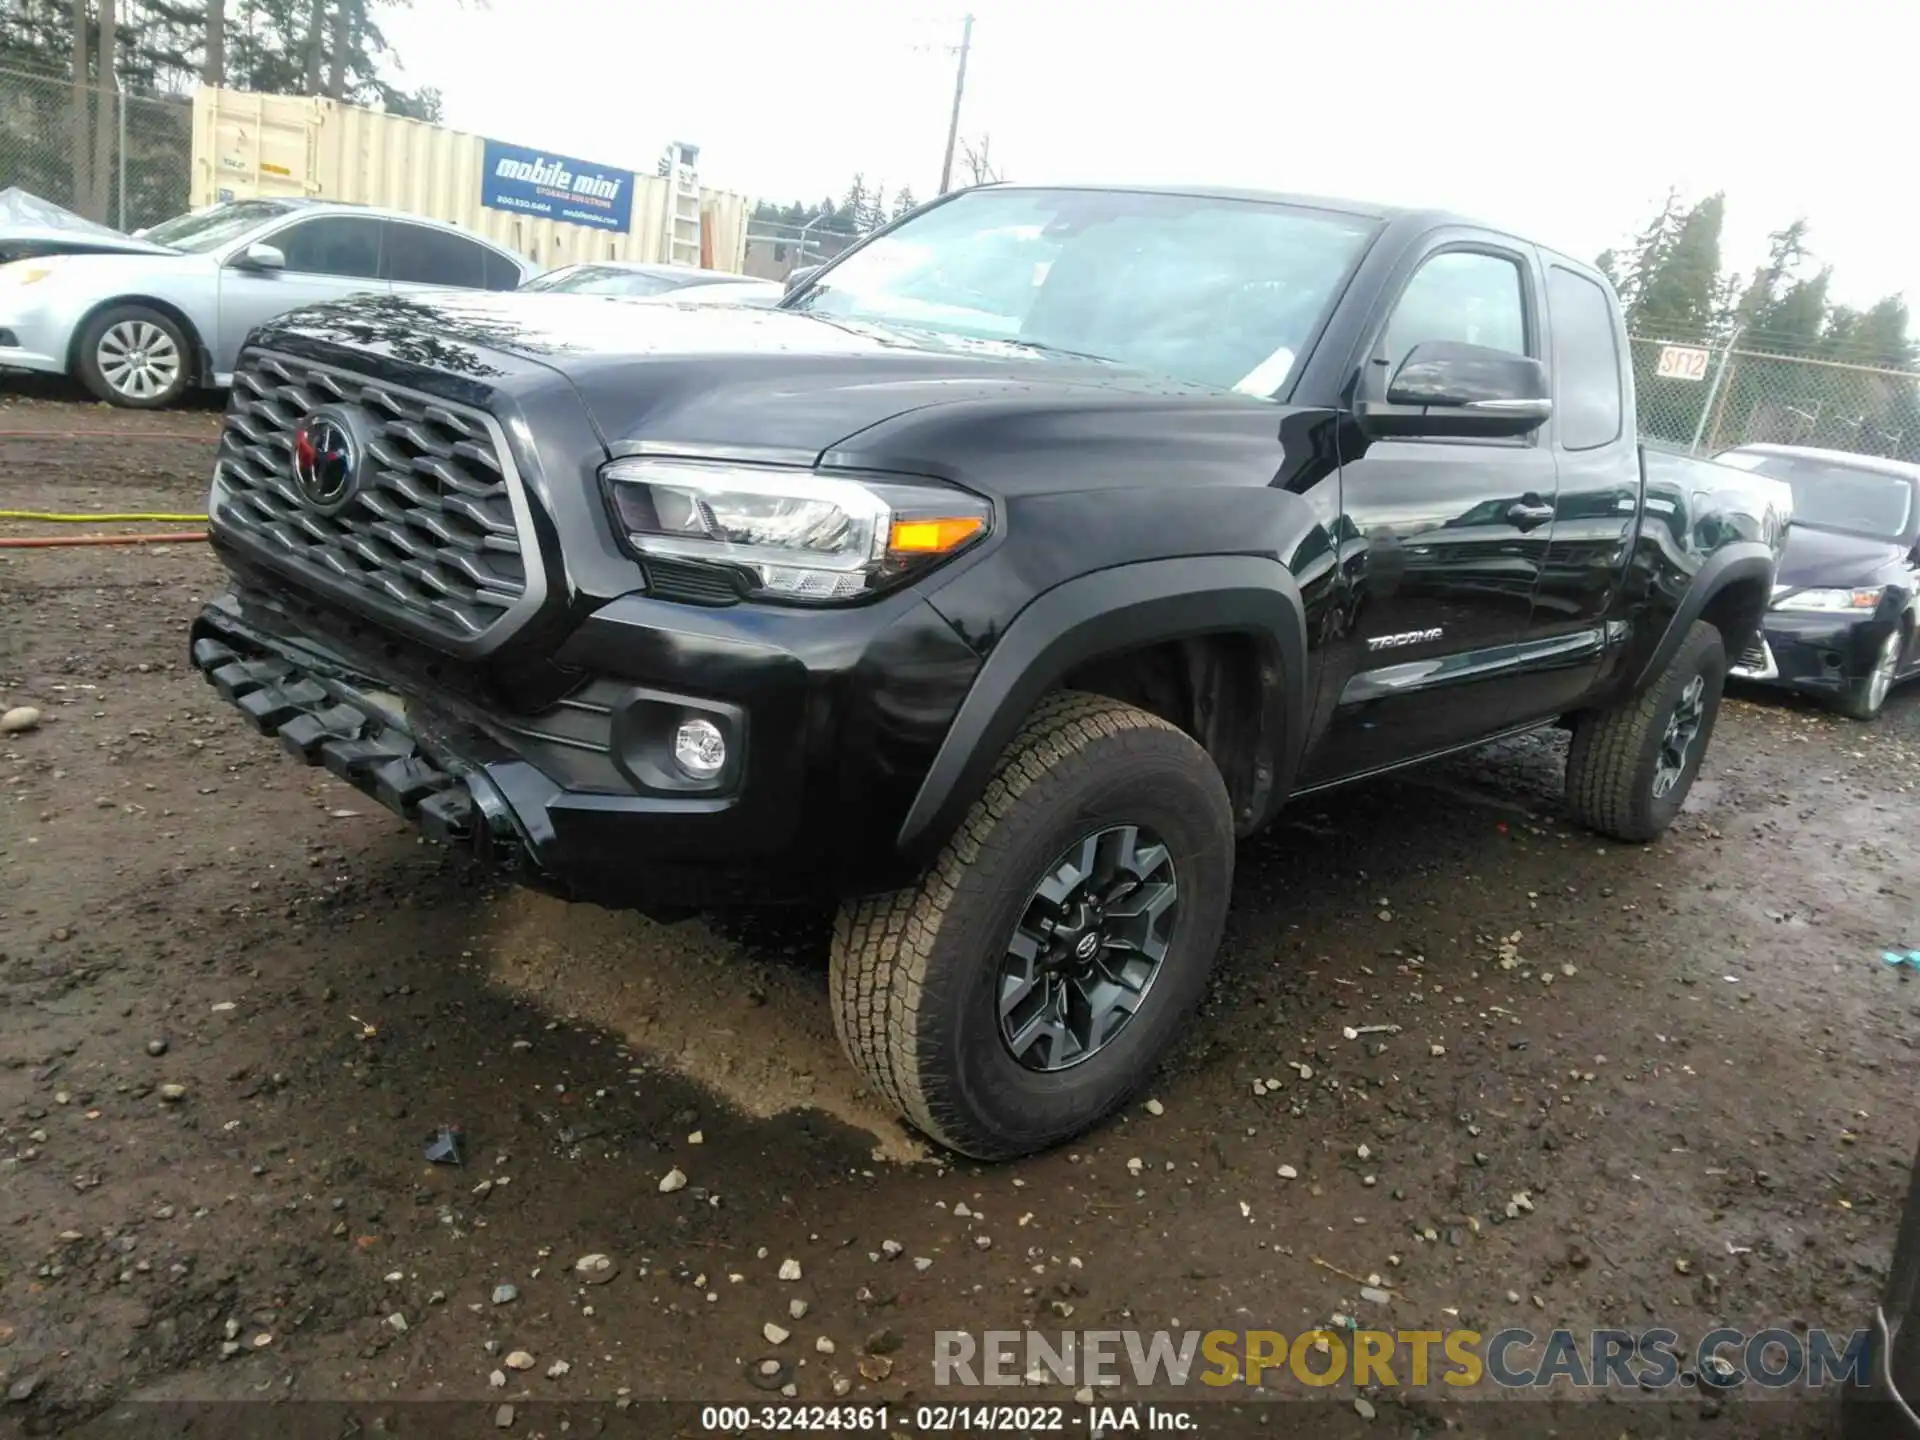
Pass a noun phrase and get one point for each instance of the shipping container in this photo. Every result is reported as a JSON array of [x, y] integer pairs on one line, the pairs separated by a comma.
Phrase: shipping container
[[249, 144]]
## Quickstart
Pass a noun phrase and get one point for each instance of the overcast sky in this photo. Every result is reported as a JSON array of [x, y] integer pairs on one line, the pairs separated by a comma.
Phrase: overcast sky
[[1564, 119]]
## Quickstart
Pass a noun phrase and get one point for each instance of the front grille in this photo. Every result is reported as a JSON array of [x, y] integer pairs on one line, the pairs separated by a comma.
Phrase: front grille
[[431, 532]]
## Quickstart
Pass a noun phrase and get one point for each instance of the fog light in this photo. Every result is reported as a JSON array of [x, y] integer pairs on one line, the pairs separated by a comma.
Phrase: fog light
[[699, 748]]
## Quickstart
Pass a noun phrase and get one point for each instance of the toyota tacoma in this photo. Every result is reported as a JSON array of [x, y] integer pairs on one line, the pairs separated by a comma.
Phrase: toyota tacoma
[[989, 587]]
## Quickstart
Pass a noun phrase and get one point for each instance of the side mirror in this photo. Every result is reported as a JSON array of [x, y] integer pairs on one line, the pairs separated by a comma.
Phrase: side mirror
[[263, 257], [799, 277], [1445, 388]]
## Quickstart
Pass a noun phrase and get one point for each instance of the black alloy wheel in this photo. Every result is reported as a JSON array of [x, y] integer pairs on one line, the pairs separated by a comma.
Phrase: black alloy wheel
[[1090, 943]]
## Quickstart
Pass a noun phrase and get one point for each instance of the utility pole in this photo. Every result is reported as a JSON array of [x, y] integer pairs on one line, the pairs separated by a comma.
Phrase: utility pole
[[959, 89]]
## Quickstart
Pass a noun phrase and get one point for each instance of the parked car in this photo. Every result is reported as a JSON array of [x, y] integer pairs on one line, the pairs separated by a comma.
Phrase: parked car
[[31, 226], [170, 309], [998, 643], [634, 279], [1844, 623]]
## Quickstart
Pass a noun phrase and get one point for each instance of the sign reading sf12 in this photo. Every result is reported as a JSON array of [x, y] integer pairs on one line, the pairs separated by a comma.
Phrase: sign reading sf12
[[555, 187]]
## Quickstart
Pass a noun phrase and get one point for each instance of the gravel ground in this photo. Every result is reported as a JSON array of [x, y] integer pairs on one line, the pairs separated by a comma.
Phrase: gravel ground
[[1619, 1085]]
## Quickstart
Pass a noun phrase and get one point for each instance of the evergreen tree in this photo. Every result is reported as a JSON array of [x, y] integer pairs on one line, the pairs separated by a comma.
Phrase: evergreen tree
[[853, 206], [1786, 250], [1794, 323], [1677, 276], [1648, 251]]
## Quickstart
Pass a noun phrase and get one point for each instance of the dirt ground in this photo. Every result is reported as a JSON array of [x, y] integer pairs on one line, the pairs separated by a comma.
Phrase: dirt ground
[[1684, 1069]]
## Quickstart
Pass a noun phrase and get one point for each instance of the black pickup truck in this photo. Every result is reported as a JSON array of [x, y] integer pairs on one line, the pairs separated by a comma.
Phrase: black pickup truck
[[990, 587]]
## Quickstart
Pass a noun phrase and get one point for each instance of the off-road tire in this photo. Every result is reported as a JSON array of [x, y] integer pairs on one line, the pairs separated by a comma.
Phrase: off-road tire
[[913, 972], [1614, 753], [87, 355]]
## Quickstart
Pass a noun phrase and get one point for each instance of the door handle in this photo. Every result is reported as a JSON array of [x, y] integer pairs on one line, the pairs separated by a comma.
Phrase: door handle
[[1527, 517]]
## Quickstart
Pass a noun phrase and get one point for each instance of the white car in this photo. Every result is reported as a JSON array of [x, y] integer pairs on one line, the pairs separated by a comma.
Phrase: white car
[[170, 308]]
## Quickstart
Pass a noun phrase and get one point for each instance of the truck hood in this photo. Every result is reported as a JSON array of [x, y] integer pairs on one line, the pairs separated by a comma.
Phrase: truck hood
[[714, 377], [1834, 557]]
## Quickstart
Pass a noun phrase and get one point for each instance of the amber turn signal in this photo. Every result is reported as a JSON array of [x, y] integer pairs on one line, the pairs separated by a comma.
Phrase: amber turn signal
[[933, 537]]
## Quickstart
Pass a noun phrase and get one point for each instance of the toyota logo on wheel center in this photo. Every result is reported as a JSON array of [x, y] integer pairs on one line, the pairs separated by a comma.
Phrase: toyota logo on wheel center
[[326, 461]]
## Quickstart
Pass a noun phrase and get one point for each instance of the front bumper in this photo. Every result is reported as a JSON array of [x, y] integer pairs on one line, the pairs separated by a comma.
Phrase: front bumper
[[1816, 654], [832, 740], [31, 340]]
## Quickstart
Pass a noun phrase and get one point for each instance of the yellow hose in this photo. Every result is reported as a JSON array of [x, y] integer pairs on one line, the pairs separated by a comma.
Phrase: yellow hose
[[91, 519]]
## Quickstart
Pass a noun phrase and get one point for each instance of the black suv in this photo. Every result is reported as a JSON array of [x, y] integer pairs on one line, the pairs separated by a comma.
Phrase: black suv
[[992, 586]]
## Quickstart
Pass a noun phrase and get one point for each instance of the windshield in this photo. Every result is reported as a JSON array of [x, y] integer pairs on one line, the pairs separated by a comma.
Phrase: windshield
[[1219, 292], [1828, 495], [609, 280], [207, 230]]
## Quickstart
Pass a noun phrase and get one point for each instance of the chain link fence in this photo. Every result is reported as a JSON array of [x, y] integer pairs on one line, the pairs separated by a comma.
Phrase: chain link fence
[[775, 249], [124, 160], [1710, 395]]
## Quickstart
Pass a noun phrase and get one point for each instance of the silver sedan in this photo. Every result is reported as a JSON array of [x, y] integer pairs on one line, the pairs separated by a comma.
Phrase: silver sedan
[[170, 310]]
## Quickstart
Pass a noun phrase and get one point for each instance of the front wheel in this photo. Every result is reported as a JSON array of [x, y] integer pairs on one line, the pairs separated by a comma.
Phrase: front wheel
[[1030, 982], [135, 356], [1863, 699], [1629, 768]]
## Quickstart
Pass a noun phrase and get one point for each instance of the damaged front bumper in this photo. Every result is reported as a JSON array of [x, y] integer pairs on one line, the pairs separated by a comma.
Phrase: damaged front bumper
[[1815, 654], [327, 716], [562, 772]]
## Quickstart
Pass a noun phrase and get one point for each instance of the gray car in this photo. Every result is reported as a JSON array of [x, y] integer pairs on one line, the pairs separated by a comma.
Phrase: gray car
[[170, 309]]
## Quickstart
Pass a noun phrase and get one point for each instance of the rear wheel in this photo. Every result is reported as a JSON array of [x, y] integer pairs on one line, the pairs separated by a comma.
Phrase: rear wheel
[[1863, 699], [1034, 977], [135, 356], [1629, 768]]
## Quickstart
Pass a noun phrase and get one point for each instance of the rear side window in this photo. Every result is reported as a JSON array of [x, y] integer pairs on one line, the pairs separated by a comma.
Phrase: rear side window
[[1586, 362], [1467, 296], [501, 272], [346, 245], [419, 256]]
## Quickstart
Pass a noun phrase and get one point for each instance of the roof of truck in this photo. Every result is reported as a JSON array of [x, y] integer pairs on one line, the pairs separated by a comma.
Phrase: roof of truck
[[1222, 192], [1416, 217]]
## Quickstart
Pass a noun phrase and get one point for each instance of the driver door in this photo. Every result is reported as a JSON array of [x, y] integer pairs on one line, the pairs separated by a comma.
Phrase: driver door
[[1440, 595], [329, 257]]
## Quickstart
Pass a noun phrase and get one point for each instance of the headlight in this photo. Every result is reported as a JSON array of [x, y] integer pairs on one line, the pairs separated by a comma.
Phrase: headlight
[[790, 534], [1833, 600], [27, 272]]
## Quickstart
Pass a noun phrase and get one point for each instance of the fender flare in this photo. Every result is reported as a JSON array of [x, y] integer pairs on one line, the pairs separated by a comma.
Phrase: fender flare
[[1730, 565], [1112, 610]]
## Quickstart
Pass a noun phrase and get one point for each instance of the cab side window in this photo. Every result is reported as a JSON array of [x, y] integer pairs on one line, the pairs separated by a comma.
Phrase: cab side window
[[1467, 296], [1586, 361]]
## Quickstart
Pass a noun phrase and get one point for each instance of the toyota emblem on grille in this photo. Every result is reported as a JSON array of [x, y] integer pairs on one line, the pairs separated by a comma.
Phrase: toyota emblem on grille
[[326, 460]]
